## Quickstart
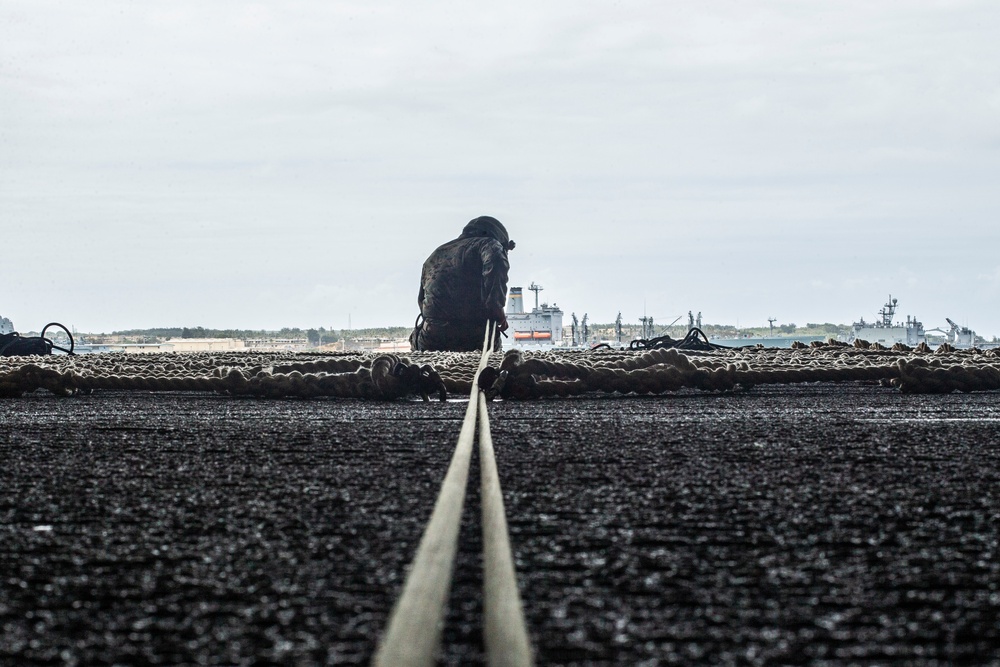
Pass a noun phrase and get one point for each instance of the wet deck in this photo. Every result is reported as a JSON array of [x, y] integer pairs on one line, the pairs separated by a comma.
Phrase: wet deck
[[830, 524]]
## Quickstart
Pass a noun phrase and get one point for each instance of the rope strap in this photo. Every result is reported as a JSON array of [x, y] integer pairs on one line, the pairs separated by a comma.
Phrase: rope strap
[[504, 629], [413, 634]]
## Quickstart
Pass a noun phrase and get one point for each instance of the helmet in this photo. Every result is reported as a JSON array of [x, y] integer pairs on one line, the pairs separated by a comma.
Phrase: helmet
[[491, 227]]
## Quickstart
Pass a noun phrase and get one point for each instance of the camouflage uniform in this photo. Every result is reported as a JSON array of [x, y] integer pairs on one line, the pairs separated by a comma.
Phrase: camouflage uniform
[[463, 284]]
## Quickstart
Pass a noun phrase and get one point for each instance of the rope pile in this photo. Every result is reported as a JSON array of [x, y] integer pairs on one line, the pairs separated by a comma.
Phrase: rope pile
[[515, 375], [665, 370], [695, 339], [237, 374]]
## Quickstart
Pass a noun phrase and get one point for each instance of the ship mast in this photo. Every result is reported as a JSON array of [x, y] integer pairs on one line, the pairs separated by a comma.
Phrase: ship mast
[[536, 289], [888, 310]]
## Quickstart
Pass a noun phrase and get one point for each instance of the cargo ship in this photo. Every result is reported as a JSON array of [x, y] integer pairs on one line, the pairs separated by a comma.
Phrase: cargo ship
[[542, 327]]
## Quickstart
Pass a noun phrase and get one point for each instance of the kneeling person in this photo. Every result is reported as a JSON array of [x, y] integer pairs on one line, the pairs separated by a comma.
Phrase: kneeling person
[[463, 284]]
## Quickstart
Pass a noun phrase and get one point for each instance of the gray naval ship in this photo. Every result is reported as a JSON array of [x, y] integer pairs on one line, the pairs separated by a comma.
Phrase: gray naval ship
[[885, 332], [911, 332]]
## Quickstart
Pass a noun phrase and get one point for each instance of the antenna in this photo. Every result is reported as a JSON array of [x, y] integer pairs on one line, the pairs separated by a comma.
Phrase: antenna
[[888, 310], [647, 326], [536, 289]]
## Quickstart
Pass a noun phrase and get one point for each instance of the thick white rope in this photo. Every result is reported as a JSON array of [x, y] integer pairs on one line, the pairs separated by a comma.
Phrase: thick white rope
[[530, 374], [504, 629], [414, 630]]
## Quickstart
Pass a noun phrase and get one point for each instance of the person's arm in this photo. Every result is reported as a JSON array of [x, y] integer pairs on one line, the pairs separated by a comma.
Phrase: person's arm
[[495, 269], [420, 294]]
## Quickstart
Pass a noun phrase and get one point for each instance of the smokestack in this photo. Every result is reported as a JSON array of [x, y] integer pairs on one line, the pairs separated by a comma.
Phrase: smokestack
[[515, 304]]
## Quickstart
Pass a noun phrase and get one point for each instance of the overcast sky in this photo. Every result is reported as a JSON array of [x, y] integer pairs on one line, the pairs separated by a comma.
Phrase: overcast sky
[[232, 164]]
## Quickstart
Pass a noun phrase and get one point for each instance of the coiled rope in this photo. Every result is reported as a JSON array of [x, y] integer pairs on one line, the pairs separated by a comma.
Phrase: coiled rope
[[14, 344], [695, 339], [413, 633]]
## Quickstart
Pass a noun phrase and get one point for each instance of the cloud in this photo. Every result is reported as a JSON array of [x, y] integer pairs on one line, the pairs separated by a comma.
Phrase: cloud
[[754, 152], [991, 278]]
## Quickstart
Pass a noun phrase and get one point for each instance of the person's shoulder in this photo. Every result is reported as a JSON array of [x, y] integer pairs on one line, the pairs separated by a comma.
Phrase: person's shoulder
[[448, 247], [488, 243]]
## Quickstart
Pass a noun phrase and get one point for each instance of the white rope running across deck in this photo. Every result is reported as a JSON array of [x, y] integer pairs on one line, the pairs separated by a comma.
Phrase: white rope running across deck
[[526, 375], [504, 629], [413, 633]]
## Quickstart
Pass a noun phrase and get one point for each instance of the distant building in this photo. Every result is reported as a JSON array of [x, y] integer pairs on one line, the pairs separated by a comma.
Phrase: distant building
[[387, 345], [277, 344], [202, 345], [396, 345]]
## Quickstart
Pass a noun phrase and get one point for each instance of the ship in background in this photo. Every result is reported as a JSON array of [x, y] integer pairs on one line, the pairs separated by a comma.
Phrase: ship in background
[[542, 327], [884, 332], [961, 337], [912, 332]]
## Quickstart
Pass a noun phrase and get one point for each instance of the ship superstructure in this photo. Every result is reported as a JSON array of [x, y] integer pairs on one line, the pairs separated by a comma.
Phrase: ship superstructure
[[885, 332], [960, 337], [541, 327], [6, 326]]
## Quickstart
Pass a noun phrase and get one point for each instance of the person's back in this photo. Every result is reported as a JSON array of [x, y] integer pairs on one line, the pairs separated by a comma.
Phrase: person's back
[[463, 284]]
